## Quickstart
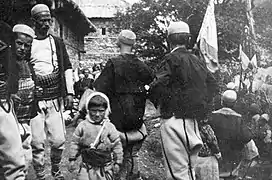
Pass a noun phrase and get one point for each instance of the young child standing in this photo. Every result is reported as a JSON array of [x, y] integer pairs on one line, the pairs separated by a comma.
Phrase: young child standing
[[97, 141]]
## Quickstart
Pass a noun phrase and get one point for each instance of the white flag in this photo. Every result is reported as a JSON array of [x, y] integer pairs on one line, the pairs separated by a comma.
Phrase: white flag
[[208, 39], [254, 61], [244, 59]]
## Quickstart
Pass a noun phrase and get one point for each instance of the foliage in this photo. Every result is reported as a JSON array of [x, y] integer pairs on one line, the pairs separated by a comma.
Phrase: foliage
[[149, 19]]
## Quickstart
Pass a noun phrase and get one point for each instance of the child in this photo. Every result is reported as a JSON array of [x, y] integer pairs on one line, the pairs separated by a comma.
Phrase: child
[[96, 139]]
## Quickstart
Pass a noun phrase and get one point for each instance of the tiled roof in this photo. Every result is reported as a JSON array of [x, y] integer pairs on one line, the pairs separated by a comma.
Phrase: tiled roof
[[101, 8]]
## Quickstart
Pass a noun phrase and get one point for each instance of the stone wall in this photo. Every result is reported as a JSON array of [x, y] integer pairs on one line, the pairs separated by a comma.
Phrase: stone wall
[[101, 45], [74, 42]]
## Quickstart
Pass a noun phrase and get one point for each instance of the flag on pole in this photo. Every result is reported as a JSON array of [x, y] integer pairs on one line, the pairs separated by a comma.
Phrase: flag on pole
[[244, 59], [208, 39], [253, 61]]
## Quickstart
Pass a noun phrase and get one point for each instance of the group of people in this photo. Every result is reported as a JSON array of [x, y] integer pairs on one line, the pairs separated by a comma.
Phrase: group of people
[[36, 86], [86, 79], [35, 93]]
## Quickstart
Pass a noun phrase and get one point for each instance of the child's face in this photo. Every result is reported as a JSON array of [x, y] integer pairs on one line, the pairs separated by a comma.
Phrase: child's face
[[97, 114]]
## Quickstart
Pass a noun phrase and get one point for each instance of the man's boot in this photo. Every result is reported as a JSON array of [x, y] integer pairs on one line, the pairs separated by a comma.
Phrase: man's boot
[[55, 163]]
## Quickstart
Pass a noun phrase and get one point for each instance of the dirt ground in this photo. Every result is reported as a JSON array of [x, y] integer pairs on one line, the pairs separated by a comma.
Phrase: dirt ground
[[151, 162], [151, 159]]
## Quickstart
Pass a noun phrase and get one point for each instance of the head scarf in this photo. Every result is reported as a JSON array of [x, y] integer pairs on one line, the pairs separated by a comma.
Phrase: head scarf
[[108, 110]]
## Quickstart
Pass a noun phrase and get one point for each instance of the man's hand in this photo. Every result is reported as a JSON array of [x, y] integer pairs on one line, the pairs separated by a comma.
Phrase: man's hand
[[72, 166], [68, 102], [116, 168]]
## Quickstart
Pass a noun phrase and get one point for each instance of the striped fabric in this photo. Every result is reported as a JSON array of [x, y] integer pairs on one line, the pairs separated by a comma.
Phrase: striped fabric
[[23, 109], [48, 87]]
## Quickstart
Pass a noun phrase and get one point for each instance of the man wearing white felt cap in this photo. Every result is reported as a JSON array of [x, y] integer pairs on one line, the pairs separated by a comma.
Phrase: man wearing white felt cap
[[54, 88], [24, 104], [184, 88], [233, 134], [123, 79]]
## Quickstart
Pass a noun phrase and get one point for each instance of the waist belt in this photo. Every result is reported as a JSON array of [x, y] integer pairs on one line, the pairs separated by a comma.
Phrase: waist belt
[[48, 80], [95, 157], [48, 87]]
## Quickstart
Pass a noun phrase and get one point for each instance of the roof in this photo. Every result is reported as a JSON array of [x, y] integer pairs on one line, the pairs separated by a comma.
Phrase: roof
[[102, 8], [72, 14], [67, 10]]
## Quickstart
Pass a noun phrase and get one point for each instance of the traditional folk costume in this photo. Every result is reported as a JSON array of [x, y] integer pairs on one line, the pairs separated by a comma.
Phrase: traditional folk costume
[[99, 146], [182, 97], [12, 162], [54, 80], [234, 137], [25, 107], [123, 80]]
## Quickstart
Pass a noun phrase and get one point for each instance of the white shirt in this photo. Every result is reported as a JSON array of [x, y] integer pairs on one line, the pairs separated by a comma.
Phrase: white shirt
[[42, 54]]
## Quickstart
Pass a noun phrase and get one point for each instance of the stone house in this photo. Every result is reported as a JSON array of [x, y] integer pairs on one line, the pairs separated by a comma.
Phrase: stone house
[[69, 23], [101, 45]]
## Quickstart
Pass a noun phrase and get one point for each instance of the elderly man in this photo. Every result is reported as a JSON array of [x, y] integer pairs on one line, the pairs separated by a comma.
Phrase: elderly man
[[233, 134], [123, 80], [12, 161], [54, 88], [24, 105], [185, 87]]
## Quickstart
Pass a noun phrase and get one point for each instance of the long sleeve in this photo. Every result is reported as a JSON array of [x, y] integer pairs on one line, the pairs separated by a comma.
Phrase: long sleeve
[[75, 146], [163, 75]]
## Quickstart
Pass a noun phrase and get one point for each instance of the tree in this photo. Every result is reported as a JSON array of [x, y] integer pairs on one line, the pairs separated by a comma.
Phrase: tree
[[149, 19]]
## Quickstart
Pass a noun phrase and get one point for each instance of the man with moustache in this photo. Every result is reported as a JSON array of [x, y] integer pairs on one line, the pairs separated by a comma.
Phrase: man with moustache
[[54, 88]]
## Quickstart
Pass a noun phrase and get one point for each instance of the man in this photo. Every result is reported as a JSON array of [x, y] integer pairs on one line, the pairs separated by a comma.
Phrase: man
[[77, 86], [54, 84], [123, 80], [12, 161], [233, 135], [185, 86], [85, 83], [24, 105]]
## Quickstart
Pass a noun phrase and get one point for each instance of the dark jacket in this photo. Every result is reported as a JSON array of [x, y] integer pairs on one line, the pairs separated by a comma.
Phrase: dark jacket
[[231, 131], [8, 69], [123, 80], [183, 85], [64, 63]]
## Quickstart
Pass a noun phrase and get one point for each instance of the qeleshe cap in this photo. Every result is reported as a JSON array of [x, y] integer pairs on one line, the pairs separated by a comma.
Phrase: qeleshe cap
[[229, 96], [22, 28], [178, 27], [127, 37], [39, 8]]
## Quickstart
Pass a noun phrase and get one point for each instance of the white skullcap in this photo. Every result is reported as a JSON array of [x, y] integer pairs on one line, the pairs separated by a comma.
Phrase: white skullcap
[[178, 27], [231, 85], [22, 28], [39, 8], [265, 117], [127, 37], [229, 96], [81, 75]]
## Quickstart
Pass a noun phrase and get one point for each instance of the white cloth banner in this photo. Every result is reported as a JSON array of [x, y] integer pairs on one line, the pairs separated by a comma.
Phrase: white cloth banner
[[208, 39], [244, 59]]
